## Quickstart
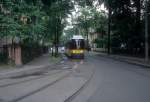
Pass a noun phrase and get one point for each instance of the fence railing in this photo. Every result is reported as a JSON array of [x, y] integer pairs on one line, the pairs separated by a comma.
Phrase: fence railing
[[3, 54]]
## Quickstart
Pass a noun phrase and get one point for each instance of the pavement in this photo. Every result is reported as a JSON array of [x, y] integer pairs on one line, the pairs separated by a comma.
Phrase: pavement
[[37, 64], [130, 60]]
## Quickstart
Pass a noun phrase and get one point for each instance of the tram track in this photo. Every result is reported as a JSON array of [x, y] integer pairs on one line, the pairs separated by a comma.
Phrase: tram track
[[73, 96], [46, 73], [39, 89], [23, 83], [84, 86], [40, 74], [70, 74], [27, 80]]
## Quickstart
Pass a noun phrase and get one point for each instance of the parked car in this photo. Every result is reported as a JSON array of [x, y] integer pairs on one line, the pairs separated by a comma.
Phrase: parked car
[[60, 49]]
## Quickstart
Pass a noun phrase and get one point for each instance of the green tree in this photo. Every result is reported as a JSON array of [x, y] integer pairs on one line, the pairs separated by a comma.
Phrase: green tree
[[57, 11]]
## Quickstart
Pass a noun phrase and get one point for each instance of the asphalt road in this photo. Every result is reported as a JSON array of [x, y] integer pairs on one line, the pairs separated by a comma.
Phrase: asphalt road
[[107, 80], [53, 84], [115, 81]]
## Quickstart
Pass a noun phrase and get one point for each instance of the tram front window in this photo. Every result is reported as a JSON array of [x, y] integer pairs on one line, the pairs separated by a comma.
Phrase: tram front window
[[77, 44]]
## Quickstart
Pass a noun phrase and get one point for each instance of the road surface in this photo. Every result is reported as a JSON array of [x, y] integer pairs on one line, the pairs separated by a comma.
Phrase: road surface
[[115, 81], [95, 79]]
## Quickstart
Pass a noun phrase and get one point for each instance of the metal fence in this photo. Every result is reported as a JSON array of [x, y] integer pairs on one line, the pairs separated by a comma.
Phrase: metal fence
[[3, 54]]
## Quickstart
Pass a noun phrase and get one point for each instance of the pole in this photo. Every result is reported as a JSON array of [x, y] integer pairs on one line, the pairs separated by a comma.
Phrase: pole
[[86, 27], [109, 21], [146, 33]]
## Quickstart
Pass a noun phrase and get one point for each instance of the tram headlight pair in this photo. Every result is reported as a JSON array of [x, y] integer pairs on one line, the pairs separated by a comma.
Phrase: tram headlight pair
[[77, 51]]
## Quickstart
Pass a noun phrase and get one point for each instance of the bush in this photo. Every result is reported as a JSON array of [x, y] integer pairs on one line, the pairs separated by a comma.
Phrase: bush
[[101, 42]]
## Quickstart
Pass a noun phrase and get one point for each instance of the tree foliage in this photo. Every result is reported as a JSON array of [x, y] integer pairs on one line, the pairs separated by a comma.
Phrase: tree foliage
[[37, 20], [126, 25], [44, 20]]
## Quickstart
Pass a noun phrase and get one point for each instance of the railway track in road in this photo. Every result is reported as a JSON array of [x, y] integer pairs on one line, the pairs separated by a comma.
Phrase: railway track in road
[[72, 97], [55, 76], [39, 89], [77, 93], [38, 83], [19, 79], [26, 80]]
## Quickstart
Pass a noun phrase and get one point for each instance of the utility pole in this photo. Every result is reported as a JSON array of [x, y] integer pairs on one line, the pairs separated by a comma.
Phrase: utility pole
[[146, 32], [86, 26], [109, 22]]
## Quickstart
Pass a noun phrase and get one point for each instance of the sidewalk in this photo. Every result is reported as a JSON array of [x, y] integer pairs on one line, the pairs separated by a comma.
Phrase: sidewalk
[[130, 60], [37, 64]]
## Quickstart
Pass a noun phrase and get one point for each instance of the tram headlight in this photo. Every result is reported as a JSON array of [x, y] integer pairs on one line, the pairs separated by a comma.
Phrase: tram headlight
[[77, 51], [81, 51], [73, 51]]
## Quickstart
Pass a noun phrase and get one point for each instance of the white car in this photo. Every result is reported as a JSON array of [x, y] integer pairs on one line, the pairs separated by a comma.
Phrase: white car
[[60, 50]]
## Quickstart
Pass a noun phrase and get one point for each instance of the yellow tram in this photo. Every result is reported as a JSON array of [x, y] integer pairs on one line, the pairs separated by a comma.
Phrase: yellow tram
[[76, 47]]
